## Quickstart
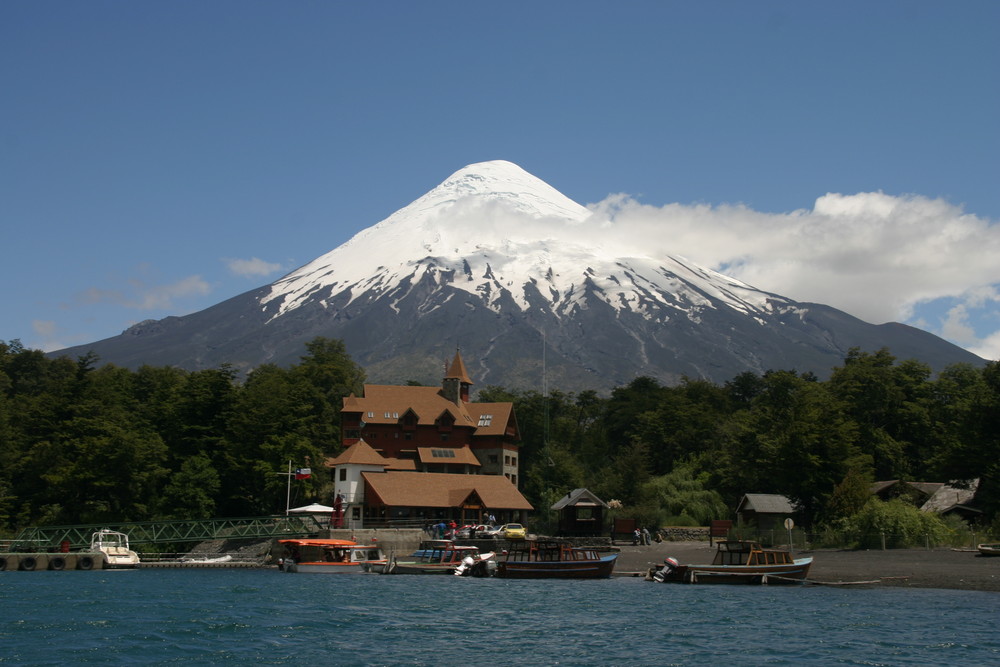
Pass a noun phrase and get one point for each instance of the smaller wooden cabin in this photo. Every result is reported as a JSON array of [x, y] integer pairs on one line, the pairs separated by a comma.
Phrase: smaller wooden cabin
[[767, 511], [581, 514]]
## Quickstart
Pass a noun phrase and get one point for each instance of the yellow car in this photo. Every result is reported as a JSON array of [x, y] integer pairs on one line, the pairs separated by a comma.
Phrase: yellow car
[[514, 531]]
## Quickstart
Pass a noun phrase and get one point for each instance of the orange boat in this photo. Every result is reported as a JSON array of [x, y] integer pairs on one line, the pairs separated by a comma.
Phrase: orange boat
[[328, 556]]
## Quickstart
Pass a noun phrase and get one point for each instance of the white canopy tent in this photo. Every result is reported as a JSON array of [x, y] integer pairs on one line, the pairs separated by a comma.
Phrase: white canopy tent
[[315, 508]]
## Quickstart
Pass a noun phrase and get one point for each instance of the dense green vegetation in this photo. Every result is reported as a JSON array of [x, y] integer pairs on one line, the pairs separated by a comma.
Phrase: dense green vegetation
[[83, 443]]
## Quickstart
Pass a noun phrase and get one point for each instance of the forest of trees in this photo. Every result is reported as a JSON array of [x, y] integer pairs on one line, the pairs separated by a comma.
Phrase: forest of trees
[[82, 442]]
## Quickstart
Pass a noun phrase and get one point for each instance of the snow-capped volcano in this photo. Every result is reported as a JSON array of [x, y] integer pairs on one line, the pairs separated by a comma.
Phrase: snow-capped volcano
[[494, 230], [501, 264]]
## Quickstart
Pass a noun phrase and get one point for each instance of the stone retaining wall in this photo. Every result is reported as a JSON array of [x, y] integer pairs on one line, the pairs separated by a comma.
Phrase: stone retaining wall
[[684, 533]]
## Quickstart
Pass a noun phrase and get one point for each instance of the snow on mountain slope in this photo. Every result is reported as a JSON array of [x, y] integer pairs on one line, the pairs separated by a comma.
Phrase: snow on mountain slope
[[495, 230]]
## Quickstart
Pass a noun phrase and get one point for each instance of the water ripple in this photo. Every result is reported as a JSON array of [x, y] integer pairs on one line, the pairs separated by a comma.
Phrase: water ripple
[[163, 617]]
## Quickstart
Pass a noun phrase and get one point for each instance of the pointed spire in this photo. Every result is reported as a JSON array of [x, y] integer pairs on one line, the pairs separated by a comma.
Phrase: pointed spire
[[457, 369], [456, 383]]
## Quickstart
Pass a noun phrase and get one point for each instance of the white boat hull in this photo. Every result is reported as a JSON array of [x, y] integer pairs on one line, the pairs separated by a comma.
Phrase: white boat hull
[[328, 568]]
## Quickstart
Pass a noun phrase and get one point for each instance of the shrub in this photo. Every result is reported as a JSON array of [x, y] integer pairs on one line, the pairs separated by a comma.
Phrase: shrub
[[900, 523], [683, 494]]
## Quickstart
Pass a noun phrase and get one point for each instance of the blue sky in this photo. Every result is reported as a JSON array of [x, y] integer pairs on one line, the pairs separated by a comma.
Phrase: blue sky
[[158, 158]]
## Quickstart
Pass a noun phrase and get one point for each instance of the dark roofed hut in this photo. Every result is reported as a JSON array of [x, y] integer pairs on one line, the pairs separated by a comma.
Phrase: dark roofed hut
[[767, 511], [581, 514]]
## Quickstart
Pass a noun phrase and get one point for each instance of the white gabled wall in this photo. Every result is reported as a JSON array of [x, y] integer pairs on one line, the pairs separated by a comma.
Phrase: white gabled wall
[[353, 487]]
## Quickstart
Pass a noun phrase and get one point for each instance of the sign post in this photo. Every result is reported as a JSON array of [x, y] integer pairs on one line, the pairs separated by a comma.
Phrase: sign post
[[789, 524]]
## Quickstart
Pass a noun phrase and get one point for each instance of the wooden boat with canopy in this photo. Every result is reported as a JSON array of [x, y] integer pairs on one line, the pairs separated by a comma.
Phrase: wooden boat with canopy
[[551, 559], [736, 562]]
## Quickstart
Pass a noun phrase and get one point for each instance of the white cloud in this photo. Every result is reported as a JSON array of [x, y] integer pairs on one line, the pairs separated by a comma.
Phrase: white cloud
[[162, 296], [44, 328], [988, 347], [47, 331], [956, 326], [253, 267], [876, 256], [142, 296]]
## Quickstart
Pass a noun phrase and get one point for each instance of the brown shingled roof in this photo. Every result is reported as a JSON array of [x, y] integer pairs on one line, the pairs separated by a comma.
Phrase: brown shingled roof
[[428, 489], [427, 404], [359, 453], [491, 418], [400, 464], [456, 455]]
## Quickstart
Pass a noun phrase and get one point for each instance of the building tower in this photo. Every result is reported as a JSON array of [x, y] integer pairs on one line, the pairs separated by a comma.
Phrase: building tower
[[456, 383]]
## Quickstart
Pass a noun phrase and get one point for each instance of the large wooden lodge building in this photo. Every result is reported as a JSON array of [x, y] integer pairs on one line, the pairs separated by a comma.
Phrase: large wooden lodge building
[[423, 454]]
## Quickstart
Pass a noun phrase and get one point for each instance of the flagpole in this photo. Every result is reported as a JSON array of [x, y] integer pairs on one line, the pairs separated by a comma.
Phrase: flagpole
[[300, 473], [288, 490]]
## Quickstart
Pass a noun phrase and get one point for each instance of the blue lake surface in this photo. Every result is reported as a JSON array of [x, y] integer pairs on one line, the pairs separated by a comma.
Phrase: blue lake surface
[[264, 617]]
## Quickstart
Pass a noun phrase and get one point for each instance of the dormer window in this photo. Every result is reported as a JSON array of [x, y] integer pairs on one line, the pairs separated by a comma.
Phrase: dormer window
[[371, 415]]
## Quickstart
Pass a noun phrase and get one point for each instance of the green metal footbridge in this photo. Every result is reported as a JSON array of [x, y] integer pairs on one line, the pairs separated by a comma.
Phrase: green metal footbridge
[[43, 538]]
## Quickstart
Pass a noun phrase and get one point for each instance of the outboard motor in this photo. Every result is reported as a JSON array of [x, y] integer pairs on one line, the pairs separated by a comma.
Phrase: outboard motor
[[466, 566], [669, 565]]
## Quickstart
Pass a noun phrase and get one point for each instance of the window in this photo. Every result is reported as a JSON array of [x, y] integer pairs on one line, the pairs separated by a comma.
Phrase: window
[[443, 453], [444, 437], [371, 415], [343, 474], [513, 460], [494, 458], [408, 436], [485, 420]]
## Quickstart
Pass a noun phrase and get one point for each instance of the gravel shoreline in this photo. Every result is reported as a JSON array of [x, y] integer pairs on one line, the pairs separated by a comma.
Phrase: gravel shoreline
[[914, 568]]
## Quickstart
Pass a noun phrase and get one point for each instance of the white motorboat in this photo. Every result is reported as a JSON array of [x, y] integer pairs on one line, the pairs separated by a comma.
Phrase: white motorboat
[[115, 549]]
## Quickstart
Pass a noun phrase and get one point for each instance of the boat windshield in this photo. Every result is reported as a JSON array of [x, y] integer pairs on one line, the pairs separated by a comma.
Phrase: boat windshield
[[109, 541]]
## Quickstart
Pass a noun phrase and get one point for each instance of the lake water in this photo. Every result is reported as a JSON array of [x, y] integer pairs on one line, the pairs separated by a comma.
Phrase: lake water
[[264, 617]]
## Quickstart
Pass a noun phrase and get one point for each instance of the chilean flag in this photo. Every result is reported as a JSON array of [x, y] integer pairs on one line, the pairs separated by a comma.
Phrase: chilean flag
[[303, 473]]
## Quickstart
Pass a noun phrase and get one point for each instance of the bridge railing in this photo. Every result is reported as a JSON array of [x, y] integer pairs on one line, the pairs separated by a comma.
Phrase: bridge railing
[[43, 538]]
